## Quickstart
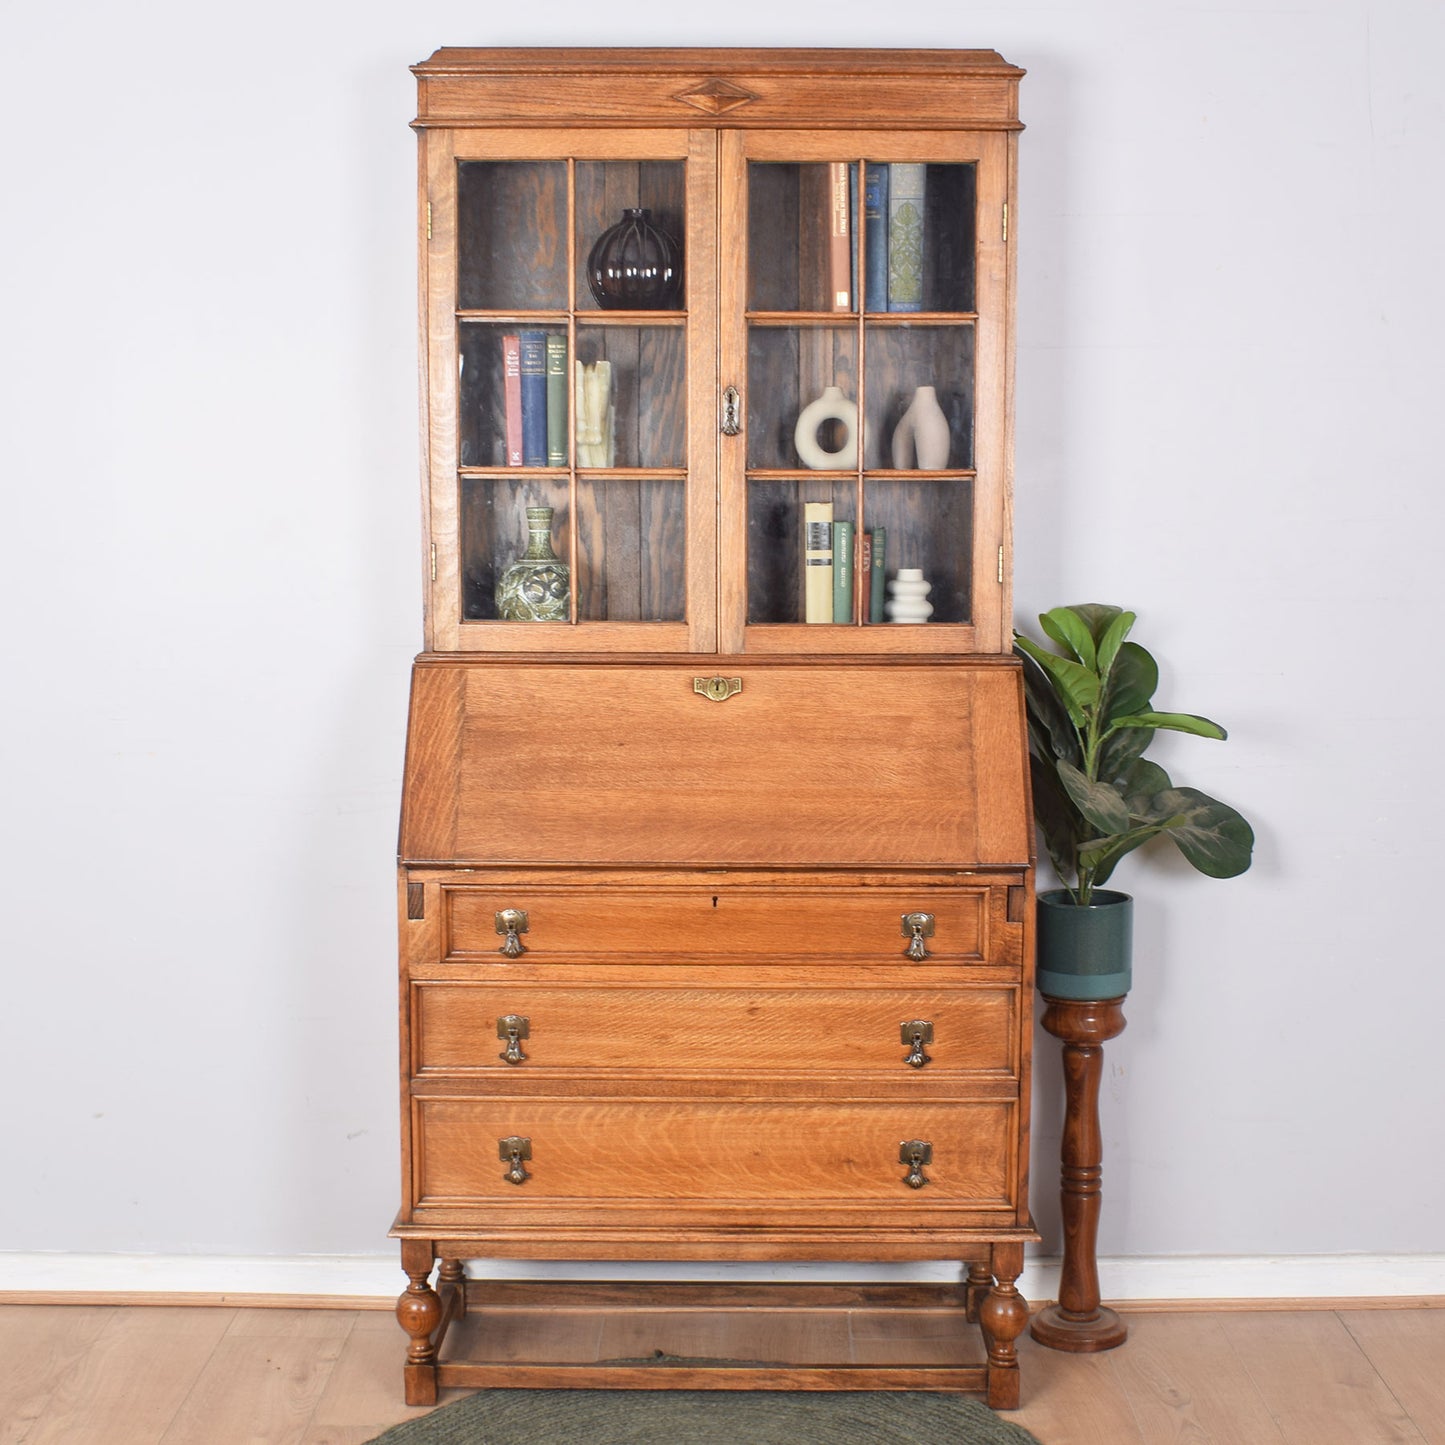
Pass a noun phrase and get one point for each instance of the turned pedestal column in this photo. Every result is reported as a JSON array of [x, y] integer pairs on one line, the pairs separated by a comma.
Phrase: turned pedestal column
[[1079, 1323]]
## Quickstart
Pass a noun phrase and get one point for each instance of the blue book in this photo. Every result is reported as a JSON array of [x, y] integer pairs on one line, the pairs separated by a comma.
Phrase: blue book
[[875, 235], [906, 184], [534, 398]]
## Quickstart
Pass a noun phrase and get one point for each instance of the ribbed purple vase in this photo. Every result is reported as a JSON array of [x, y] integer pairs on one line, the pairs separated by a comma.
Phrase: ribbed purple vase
[[635, 266]]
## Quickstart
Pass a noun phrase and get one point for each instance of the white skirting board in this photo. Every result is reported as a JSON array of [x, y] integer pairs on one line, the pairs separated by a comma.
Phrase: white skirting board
[[369, 1277]]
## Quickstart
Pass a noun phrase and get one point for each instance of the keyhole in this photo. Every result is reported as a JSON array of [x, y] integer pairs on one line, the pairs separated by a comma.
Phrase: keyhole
[[714, 903]]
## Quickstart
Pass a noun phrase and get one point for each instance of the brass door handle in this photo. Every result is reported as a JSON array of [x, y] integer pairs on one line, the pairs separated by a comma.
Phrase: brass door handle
[[512, 1151], [917, 927], [513, 1028], [915, 1153], [915, 1033], [512, 921]]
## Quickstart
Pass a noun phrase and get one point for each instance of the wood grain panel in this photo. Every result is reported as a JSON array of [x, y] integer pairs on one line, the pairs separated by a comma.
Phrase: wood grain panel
[[612, 763], [612, 1150], [585, 1029], [720, 922]]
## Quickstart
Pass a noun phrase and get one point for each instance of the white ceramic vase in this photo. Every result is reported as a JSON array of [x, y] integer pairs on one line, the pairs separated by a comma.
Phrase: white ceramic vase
[[831, 406], [921, 437], [908, 599]]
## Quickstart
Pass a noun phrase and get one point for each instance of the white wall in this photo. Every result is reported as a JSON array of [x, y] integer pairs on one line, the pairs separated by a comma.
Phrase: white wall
[[1229, 371]]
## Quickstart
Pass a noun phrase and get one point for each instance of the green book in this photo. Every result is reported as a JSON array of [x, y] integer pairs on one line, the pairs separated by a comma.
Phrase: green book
[[878, 571], [556, 399], [843, 572]]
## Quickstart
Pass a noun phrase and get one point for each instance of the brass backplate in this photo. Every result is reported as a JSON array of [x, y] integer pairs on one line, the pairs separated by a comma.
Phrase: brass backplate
[[719, 689]]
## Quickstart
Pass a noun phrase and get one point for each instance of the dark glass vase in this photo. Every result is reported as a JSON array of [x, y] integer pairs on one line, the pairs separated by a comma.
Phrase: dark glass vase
[[635, 266]]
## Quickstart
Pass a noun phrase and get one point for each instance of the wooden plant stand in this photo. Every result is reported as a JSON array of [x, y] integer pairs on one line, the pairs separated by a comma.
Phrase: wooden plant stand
[[1078, 1323]]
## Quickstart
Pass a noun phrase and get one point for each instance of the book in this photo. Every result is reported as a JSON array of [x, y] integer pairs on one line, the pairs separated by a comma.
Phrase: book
[[840, 236], [877, 590], [556, 399], [534, 398], [843, 572], [907, 182], [512, 393], [865, 576], [852, 234], [817, 561], [875, 236]]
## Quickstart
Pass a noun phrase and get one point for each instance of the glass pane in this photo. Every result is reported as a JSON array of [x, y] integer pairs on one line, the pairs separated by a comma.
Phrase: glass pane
[[631, 389], [631, 550], [608, 189], [926, 526], [918, 237], [801, 255], [778, 546], [900, 360], [495, 536], [789, 369], [512, 235], [512, 396]]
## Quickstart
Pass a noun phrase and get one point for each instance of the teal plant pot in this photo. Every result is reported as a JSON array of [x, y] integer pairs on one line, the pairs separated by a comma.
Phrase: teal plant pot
[[1085, 953]]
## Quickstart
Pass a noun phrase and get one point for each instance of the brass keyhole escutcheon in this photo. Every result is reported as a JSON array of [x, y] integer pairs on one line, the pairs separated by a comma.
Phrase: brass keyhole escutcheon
[[915, 1153], [512, 921], [916, 927], [719, 689], [513, 1028], [512, 1151], [915, 1033]]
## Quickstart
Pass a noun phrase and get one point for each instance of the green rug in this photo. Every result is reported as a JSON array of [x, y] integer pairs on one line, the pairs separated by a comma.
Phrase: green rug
[[709, 1417]]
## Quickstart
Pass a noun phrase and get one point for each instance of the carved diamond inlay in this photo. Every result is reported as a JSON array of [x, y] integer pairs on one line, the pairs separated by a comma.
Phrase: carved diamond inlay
[[716, 97]]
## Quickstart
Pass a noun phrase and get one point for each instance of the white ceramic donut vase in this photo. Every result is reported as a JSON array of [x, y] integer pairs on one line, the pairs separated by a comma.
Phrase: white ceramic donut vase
[[831, 406]]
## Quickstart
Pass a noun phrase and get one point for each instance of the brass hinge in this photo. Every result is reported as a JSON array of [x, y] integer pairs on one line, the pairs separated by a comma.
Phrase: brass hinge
[[434, 563], [1000, 564], [1005, 222], [428, 223]]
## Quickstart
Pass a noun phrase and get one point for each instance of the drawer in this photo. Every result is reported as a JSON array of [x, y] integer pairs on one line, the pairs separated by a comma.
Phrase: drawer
[[588, 1028], [611, 1150], [721, 923]]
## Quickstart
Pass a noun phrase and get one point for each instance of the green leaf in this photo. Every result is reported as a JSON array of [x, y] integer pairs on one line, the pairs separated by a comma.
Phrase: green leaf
[[1210, 834], [1140, 784], [1057, 818], [1112, 641], [1099, 857], [1100, 804], [1132, 681], [1119, 752], [1076, 685], [1178, 722], [1098, 617], [1069, 630], [1048, 717]]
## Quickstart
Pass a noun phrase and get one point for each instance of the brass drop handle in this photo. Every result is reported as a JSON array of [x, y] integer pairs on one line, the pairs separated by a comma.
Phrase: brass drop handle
[[915, 1033], [512, 921], [915, 1153], [512, 1150], [513, 1028], [917, 927], [732, 412]]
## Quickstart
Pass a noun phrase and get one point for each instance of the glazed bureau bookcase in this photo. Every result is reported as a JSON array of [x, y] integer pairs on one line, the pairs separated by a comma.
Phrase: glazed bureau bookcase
[[715, 921]]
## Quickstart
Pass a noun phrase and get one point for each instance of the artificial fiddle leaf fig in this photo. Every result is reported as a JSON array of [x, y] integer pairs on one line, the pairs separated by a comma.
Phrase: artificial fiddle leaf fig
[[1096, 797]]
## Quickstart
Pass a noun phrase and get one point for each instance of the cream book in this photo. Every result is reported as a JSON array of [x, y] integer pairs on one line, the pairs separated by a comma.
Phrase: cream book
[[817, 561]]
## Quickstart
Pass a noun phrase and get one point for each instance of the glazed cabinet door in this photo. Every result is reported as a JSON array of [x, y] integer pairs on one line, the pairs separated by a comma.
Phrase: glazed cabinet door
[[571, 445], [864, 297]]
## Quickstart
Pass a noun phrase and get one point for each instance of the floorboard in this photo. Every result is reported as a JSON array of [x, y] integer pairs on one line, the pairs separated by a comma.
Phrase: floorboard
[[105, 1375]]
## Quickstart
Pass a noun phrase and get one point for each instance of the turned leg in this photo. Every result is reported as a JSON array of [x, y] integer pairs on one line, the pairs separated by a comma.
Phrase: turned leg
[[975, 1287], [1003, 1316], [419, 1311], [452, 1273], [1079, 1323]]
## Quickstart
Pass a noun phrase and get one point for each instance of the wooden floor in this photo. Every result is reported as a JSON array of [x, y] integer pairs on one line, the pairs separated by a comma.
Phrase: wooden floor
[[158, 1375]]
